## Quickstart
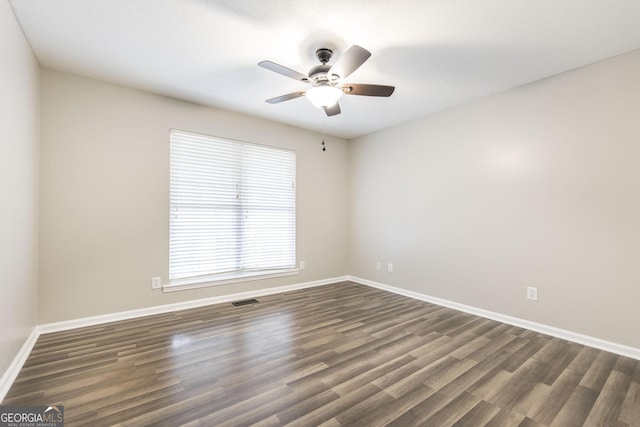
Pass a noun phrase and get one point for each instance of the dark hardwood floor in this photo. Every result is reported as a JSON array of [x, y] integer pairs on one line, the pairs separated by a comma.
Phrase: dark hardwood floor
[[342, 354]]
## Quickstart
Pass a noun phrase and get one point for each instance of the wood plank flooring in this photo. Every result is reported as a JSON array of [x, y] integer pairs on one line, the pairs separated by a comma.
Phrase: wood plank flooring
[[337, 355]]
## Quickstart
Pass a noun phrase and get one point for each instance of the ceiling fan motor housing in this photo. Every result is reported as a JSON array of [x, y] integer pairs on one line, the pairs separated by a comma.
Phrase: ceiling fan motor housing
[[319, 73]]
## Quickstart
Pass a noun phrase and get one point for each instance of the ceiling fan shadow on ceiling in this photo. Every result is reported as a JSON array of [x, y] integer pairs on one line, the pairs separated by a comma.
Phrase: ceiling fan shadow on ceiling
[[327, 81]]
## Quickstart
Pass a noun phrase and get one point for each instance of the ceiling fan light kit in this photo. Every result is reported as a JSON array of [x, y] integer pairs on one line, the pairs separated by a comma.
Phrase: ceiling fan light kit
[[324, 96], [327, 80]]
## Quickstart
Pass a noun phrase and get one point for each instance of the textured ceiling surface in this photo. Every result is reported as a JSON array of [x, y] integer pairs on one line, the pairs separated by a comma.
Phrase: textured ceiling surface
[[437, 53]]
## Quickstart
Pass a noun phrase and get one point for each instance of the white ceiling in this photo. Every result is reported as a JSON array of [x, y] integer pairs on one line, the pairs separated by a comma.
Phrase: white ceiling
[[438, 53]]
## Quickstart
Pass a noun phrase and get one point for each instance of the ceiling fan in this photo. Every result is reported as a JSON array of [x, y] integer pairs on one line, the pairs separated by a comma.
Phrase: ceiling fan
[[327, 80]]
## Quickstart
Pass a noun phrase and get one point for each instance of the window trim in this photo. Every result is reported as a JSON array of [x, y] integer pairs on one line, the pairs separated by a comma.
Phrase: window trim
[[197, 282]]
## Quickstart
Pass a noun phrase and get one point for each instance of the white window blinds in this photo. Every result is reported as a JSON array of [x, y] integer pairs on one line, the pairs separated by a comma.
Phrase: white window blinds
[[233, 207]]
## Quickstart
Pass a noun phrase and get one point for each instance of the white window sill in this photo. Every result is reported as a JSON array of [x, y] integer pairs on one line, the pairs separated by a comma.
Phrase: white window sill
[[225, 279]]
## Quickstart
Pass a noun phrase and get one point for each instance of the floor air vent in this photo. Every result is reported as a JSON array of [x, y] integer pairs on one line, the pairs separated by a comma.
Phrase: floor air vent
[[245, 302]]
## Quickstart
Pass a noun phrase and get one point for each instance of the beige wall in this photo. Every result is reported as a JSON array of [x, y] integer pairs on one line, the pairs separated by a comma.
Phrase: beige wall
[[537, 186], [104, 196], [19, 124]]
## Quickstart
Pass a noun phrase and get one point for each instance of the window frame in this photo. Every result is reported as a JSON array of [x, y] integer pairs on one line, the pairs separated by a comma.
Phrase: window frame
[[239, 177]]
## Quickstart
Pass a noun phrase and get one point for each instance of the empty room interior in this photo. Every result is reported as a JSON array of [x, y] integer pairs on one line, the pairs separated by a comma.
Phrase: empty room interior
[[434, 218]]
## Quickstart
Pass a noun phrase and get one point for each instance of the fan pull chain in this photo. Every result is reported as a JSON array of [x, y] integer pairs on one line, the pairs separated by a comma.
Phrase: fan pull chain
[[324, 148]]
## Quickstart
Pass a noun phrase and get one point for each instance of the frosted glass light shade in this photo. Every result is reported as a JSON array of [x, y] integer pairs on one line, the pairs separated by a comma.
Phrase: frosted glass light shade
[[324, 96]]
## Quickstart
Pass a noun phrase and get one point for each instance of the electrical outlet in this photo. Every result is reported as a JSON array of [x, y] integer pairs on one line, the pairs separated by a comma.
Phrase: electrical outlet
[[390, 267], [302, 265], [532, 293], [156, 282], [378, 265]]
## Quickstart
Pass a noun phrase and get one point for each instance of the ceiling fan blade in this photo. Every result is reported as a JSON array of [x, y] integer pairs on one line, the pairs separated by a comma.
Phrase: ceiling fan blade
[[333, 110], [286, 97], [350, 61], [367, 90], [281, 69]]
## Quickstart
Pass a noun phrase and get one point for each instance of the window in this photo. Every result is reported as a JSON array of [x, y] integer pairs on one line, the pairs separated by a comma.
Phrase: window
[[232, 210]]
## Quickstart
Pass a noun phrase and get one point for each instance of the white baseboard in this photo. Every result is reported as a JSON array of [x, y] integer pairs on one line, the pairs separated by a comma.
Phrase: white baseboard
[[12, 371], [167, 308], [587, 340]]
